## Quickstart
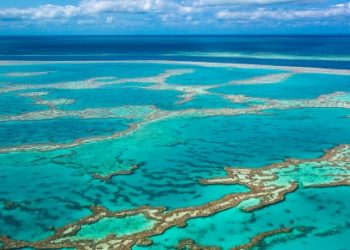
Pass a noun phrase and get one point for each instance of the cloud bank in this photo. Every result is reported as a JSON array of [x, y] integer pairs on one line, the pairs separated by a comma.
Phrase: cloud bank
[[280, 14], [185, 13]]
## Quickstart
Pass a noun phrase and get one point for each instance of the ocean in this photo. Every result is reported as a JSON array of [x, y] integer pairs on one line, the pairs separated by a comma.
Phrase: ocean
[[321, 51], [175, 142]]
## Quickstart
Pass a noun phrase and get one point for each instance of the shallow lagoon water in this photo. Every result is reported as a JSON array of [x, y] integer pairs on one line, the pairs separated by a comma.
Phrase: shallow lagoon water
[[102, 228], [116, 96], [298, 86], [233, 227], [12, 104], [57, 130], [172, 154], [61, 72], [218, 75]]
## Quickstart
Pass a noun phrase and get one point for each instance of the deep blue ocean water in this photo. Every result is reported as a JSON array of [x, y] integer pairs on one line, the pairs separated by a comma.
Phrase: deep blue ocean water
[[246, 49]]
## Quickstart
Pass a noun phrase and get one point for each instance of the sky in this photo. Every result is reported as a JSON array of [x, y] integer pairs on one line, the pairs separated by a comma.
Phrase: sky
[[157, 17]]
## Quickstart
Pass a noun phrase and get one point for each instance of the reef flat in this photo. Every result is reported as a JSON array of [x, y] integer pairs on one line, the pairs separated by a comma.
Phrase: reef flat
[[126, 155]]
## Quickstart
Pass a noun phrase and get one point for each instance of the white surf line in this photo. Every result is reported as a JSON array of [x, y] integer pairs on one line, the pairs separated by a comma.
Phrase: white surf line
[[294, 69]]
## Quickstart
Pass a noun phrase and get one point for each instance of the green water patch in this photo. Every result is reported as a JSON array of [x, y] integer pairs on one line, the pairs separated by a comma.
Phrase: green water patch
[[345, 98], [117, 226], [308, 173]]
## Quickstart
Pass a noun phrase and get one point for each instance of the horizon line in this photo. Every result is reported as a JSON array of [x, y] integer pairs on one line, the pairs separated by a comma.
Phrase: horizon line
[[179, 35]]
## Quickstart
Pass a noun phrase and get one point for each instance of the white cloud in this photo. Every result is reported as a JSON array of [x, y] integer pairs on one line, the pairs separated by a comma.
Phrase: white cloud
[[89, 7], [238, 2], [94, 8], [103, 6], [281, 14], [173, 12], [42, 12]]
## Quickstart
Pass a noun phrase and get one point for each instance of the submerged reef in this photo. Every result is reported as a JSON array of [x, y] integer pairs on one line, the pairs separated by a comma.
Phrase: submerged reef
[[151, 114], [99, 82], [109, 176], [257, 240], [124, 222], [267, 79], [267, 185], [51, 104], [25, 74]]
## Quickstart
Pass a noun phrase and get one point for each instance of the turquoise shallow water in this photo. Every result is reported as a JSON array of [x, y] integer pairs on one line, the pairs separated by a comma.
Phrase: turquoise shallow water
[[12, 104], [299, 86], [233, 227], [174, 147], [59, 72], [207, 102], [116, 96], [57, 130], [218, 75]]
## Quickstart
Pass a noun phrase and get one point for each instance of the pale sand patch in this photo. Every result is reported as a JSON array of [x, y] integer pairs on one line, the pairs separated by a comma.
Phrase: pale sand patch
[[266, 79]]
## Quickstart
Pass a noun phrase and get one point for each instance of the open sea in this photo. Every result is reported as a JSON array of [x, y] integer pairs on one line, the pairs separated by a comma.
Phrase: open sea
[[175, 142]]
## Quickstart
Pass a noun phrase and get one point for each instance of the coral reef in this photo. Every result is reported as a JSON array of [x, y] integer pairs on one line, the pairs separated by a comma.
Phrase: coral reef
[[267, 185]]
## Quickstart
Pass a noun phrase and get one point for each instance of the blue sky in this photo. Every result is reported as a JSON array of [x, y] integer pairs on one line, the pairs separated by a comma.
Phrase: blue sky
[[174, 16]]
